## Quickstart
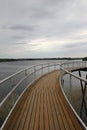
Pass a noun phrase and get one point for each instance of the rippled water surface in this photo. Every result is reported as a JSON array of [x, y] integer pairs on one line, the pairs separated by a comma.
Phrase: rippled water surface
[[8, 68], [73, 90]]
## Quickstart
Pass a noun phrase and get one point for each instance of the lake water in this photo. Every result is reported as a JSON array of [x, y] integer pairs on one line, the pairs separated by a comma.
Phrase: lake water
[[8, 68], [73, 90]]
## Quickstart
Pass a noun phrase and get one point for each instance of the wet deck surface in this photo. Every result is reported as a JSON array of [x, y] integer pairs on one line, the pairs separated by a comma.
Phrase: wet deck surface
[[43, 107]]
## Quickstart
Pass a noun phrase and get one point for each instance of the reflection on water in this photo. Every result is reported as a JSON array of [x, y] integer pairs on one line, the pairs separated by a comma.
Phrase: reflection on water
[[72, 89]]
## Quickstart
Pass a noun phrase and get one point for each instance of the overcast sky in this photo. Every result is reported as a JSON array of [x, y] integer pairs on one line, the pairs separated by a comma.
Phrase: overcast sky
[[43, 28]]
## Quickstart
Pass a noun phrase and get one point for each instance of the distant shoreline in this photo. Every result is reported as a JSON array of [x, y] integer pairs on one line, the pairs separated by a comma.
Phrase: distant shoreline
[[24, 59]]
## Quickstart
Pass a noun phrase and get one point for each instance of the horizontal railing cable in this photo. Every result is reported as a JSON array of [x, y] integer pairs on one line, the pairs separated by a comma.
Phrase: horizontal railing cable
[[21, 79]]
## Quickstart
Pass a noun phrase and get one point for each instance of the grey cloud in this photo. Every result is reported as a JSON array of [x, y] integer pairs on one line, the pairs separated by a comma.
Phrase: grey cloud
[[18, 27], [69, 46], [3, 26], [21, 28], [75, 45], [18, 37], [22, 21], [40, 13], [21, 43], [32, 44], [46, 9]]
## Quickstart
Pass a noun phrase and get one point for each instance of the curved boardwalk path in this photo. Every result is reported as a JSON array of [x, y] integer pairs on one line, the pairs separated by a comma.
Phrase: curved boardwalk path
[[43, 107]]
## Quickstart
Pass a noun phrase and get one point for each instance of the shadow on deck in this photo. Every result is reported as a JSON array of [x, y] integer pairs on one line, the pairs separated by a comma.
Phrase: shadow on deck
[[43, 107]]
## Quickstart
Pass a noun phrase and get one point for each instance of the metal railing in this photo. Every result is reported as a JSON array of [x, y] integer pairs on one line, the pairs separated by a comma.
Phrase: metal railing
[[74, 86], [13, 87]]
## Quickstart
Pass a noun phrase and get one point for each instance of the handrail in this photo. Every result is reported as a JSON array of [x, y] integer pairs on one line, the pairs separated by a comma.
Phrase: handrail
[[80, 120], [34, 66], [15, 74], [66, 69], [33, 70], [1, 81], [80, 78], [26, 74], [42, 66]]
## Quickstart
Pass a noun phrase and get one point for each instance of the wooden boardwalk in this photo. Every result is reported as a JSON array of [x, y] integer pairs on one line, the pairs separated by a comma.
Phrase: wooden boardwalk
[[43, 107]]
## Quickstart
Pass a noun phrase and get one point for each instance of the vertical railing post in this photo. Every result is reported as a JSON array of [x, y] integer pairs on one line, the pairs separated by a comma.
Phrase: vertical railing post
[[68, 65], [25, 72], [70, 87], [54, 67], [76, 65], [64, 65], [42, 70], [13, 99], [11, 84], [85, 63], [73, 64], [34, 72], [83, 104], [48, 67], [82, 64], [62, 81], [79, 63]]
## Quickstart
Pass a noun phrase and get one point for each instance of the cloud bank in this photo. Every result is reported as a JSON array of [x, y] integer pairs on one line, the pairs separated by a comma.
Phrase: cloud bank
[[43, 28]]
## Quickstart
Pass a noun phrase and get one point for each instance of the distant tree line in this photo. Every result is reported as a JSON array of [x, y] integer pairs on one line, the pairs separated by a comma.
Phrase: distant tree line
[[84, 59], [23, 59]]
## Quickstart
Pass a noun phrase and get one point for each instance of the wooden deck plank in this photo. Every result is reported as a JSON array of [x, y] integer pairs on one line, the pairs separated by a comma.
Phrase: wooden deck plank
[[65, 114], [58, 110], [58, 114], [51, 123], [56, 124], [31, 124], [41, 112], [71, 115], [62, 119], [29, 113], [46, 116], [15, 114], [24, 113], [43, 108], [36, 123]]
